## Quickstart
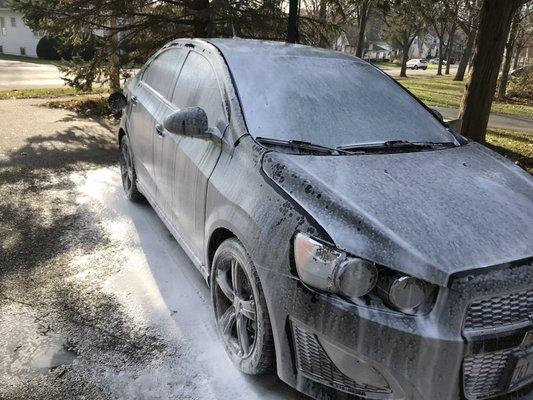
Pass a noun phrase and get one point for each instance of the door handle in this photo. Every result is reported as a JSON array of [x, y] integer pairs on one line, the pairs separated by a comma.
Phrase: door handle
[[160, 130], [133, 100]]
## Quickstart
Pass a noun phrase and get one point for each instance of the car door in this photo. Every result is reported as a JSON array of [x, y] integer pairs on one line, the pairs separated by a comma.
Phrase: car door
[[189, 161], [146, 100], [164, 146]]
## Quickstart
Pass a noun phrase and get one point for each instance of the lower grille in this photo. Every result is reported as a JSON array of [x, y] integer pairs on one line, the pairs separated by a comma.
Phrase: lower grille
[[314, 363], [482, 374]]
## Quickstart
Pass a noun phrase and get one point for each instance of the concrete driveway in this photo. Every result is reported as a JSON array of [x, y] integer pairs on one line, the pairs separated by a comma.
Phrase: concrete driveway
[[26, 75], [97, 300]]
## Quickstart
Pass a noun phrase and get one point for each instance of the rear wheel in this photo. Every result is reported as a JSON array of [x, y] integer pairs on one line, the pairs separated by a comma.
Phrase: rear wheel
[[127, 171], [240, 309], [415, 67]]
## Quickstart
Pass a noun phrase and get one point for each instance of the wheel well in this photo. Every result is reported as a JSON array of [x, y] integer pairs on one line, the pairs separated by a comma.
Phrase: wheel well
[[216, 239], [121, 133]]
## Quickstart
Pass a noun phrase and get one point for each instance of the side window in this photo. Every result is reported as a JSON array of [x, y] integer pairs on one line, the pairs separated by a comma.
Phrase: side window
[[160, 74], [197, 86]]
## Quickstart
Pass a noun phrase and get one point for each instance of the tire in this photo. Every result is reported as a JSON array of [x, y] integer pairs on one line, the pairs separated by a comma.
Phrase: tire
[[127, 171], [249, 343], [415, 67]]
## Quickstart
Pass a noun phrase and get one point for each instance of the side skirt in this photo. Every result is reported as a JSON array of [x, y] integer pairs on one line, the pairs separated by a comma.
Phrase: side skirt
[[177, 235]]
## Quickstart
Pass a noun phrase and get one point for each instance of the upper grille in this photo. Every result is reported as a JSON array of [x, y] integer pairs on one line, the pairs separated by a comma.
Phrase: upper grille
[[482, 374], [500, 311], [314, 363]]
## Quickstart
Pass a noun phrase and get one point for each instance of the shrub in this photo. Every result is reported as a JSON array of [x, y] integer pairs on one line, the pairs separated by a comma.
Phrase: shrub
[[521, 86], [48, 48]]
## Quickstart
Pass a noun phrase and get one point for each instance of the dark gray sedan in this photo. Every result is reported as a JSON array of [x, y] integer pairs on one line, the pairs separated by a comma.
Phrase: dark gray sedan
[[352, 241]]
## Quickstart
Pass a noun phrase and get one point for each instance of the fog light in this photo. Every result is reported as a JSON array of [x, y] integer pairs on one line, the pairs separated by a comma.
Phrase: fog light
[[407, 294], [356, 277]]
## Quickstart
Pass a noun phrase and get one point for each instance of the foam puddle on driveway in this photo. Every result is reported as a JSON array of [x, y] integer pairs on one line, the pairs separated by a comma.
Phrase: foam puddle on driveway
[[31, 348]]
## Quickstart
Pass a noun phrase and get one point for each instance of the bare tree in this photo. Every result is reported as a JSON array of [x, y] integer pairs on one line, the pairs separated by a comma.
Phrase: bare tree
[[451, 34], [495, 20], [439, 15], [509, 45], [402, 24], [362, 11], [467, 20], [524, 33]]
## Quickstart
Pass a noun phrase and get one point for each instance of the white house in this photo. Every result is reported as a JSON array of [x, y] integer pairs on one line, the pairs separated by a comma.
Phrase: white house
[[15, 37]]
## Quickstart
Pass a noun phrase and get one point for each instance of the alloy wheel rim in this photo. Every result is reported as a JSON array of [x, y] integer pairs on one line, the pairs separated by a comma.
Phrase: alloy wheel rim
[[235, 308], [126, 169]]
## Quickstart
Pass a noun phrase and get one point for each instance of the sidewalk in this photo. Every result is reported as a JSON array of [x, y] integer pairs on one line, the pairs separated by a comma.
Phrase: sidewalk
[[496, 121]]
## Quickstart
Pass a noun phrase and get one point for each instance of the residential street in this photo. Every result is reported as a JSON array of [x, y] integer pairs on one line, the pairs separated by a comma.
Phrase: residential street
[[497, 121], [96, 299], [25, 75]]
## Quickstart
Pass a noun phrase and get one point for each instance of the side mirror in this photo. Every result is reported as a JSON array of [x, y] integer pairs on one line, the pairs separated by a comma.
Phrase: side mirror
[[189, 121], [117, 101], [437, 114]]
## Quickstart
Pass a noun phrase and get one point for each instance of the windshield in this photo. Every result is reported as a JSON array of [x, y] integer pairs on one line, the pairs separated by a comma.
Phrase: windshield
[[328, 101]]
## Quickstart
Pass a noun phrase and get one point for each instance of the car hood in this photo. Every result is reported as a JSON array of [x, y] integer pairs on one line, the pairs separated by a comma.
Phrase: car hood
[[429, 214]]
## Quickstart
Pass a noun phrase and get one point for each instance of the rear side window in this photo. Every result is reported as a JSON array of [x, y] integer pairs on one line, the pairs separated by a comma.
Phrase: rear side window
[[197, 86], [160, 73]]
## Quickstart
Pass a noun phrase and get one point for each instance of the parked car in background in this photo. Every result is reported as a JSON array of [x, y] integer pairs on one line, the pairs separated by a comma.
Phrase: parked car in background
[[417, 63], [352, 241], [434, 61]]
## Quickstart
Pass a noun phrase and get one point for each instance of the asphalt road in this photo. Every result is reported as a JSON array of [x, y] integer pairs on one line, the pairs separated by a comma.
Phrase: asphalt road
[[25, 75], [395, 71], [96, 298]]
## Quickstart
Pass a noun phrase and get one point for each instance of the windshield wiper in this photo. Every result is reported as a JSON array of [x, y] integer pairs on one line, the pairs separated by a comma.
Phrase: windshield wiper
[[394, 144], [301, 145]]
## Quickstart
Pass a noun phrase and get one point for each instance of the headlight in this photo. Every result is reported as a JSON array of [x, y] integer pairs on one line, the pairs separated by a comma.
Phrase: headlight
[[332, 270]]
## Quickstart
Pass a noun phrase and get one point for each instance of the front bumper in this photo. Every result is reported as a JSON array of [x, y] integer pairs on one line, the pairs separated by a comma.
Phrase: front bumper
[[329, 347]]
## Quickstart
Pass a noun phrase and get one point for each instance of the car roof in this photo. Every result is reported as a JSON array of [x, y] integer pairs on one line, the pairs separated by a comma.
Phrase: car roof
[[253, 47]]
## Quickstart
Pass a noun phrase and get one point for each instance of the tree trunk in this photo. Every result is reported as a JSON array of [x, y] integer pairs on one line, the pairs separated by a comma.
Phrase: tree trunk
[[322, 16], [495, 20], [405, 58], [201, 18], [441, 58], [113, 71], [465, 57], [516, 57], [292, 29], [449, 47], [504, 79], [363, 18]]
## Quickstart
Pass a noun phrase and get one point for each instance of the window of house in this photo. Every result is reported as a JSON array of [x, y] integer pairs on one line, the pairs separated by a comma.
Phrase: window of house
[[2, 26], [13, 22], [23, 51]]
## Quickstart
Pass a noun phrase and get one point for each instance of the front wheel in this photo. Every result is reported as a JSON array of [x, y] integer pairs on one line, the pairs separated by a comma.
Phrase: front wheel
[[127, 171], [240, 309], [415, 67]]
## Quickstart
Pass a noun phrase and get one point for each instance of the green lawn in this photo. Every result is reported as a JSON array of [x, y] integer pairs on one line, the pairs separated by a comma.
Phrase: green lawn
[[445, 92], [516, 145], [45, 93]]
